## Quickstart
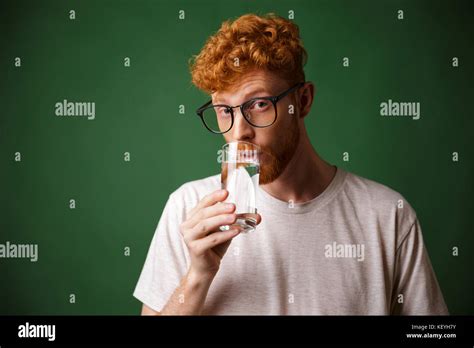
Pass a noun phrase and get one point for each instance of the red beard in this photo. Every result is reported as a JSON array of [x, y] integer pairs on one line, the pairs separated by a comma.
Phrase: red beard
[[274, 161]]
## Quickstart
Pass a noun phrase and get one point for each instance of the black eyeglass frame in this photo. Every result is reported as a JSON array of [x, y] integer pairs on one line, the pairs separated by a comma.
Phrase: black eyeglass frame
[[273, 99]]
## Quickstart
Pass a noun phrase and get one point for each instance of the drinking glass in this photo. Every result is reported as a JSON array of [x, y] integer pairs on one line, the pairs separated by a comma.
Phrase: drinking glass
[[240, 176]]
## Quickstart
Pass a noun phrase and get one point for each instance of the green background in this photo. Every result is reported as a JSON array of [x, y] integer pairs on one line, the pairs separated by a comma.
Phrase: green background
[[119, 203]]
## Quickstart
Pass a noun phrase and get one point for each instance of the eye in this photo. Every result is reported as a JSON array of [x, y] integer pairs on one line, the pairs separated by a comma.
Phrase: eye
[[222, 111], [259, 105]]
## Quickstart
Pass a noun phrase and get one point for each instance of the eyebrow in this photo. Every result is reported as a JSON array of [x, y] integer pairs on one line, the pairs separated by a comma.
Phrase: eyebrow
[[247, 95]]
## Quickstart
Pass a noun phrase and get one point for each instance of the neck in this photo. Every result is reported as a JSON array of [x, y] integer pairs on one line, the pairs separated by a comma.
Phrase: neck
[[305, 177]]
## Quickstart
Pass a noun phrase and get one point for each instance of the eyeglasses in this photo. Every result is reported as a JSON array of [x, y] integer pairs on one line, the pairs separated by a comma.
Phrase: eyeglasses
[[259, 112]]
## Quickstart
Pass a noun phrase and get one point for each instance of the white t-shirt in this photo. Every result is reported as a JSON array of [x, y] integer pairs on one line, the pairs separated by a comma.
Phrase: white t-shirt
[[356, 249]]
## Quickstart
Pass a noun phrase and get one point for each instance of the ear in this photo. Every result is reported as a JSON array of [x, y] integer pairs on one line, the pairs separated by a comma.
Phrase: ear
[[306, 96]]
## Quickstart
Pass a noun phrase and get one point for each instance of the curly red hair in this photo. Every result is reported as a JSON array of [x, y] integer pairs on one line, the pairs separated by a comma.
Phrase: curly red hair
[[250, 42]]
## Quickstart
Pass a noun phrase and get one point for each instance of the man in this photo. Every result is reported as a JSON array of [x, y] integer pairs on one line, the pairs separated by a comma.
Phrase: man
[[327, 241]]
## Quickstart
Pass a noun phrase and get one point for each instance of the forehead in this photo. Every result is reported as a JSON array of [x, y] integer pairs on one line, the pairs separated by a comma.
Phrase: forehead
[[253, 84]]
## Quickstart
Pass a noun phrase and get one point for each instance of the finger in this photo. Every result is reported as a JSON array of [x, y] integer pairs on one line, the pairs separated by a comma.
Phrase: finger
[[204, 227], [259, 218], [221, 249], [213, 210], [215, 239], [208, 200]]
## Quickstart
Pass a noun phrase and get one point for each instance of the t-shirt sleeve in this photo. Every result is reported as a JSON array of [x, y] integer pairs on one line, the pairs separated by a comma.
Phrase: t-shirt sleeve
[[416, 289], [166, 261]]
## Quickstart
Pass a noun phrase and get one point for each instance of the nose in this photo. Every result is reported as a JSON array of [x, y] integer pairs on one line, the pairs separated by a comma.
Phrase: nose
[[241, 130]]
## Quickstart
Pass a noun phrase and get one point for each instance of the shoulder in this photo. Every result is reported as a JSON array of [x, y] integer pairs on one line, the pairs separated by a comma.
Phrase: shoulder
[[380, 201], [372, 190]]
